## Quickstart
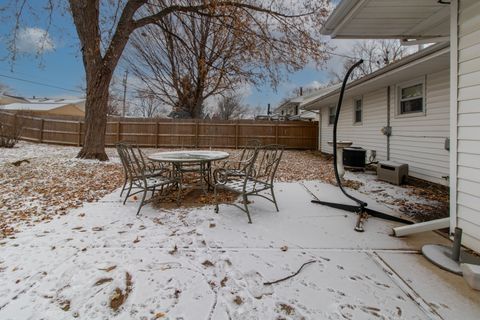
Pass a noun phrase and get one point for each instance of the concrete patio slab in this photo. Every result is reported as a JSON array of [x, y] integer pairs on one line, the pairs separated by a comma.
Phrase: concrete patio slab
[[195, 264]]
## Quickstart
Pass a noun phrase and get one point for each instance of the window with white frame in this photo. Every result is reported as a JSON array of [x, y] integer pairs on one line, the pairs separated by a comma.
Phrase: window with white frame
[[357, 110], [331, 115], [411, 98]]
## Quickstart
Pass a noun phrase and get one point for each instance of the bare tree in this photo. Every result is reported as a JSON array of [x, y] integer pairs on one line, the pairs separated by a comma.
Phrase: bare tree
[[149, 105], [114, 104], [230, 107], [5, 89], [187, 59], [285, 36], [375, 53]]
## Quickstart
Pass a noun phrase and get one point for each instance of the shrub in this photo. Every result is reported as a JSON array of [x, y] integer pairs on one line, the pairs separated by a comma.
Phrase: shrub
[[10, 132]]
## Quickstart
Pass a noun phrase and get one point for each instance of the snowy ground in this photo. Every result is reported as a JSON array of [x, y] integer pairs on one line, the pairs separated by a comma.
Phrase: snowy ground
[[198, 265], [100, 261]]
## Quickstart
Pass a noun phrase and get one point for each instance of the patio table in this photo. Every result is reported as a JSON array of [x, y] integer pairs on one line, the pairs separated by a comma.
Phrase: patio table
[[198, 161]]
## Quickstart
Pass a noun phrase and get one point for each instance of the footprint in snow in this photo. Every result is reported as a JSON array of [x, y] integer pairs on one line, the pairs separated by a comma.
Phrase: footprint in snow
[[255, 285]]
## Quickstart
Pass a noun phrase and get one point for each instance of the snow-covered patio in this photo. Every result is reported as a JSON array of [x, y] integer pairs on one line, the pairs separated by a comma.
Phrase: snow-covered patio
[[101, 262]]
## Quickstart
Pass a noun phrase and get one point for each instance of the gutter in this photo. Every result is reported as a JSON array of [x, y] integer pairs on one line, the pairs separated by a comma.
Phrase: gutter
[[435, 49]]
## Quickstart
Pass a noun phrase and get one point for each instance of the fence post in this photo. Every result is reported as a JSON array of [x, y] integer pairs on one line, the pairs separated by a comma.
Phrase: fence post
[[118, 131], [236, 134], [42, 126], [79, 133], [276, 133], [157, 131], [196, 133]]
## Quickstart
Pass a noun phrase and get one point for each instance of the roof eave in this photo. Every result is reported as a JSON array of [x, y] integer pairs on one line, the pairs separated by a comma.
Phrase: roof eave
[[338, 16]]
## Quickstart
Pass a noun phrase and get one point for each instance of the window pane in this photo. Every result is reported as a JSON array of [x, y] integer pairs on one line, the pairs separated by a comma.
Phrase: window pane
[[415, 105], [412, 92], [358, 104], [358, 116], [331, 115]]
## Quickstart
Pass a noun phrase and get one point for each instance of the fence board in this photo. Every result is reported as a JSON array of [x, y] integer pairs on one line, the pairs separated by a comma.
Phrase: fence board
[[173, 133]]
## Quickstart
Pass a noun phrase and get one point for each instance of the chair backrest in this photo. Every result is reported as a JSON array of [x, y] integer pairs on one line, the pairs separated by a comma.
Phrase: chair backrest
[[267, 161], [132, 160], [247, 153]]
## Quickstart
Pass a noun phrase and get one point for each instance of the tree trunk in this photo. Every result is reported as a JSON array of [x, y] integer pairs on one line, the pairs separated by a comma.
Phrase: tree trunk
[[96, 118]]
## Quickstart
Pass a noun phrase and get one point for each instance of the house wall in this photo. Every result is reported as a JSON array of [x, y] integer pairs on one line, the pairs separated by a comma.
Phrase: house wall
[[418, 141], [366, 135], [68, 110], [467, 61]]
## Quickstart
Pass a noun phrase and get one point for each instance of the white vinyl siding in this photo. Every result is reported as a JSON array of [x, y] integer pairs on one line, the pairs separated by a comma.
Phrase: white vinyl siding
[[468, 131], [367, 135], [418, 141]]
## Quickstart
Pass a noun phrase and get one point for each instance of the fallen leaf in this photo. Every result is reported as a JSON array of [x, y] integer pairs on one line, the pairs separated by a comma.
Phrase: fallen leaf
[[238, 300], [108, 269], [207, 263], [102, 281]]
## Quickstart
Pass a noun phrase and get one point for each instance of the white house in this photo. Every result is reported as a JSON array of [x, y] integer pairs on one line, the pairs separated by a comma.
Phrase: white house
[[426, 21], [399, 113], [294, 107]]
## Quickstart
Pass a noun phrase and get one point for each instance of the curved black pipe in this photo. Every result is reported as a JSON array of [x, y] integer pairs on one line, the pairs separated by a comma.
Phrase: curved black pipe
[[337, 116]]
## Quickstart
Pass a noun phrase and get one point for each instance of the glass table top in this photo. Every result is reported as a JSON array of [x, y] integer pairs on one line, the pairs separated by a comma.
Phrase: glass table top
[[189, 156]]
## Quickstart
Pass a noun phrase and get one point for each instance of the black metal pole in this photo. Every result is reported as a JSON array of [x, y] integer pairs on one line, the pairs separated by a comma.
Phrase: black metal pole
[[335, 126], [361, 209]]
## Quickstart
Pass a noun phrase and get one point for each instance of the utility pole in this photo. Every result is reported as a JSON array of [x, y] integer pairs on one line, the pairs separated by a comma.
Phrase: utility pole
[[124, 93]]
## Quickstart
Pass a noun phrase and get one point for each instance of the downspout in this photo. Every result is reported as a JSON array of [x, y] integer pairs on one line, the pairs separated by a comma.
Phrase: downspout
[[389, 129]]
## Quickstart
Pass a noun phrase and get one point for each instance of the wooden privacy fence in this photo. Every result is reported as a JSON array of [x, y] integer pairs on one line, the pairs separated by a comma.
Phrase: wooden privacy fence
[[171, 133]]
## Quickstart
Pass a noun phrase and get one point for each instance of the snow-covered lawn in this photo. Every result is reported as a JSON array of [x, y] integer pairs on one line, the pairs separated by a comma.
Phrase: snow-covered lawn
[[100, 261]]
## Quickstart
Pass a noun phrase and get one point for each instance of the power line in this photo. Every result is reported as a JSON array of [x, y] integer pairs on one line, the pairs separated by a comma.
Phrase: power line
[[39, 83]]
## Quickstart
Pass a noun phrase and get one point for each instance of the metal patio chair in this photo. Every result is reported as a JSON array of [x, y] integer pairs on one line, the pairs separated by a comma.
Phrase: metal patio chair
[[140, 175], [151, 166], [250, 176], [235, 164]]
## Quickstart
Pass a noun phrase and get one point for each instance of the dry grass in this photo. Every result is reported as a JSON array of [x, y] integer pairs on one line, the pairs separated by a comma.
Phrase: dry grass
[[43, 188]]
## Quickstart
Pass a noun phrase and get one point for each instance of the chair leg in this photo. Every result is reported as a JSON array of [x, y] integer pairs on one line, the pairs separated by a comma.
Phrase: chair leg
[[215, 198], [179, 185], [142, 201], [128, 193], [245, 203], [274, 199], [124, 185]]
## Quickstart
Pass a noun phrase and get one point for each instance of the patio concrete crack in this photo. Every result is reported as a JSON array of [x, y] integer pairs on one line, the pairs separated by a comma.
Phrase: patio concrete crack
[[405, 287]]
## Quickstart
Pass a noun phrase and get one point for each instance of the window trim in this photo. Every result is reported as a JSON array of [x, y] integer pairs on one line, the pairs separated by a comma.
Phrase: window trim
[[334, 109], [406, 84], [355, 99]]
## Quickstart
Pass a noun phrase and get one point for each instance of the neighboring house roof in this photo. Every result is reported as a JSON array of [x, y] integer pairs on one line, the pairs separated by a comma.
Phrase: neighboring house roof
[[373, 19], [48, 105], [431, 59], [302, 100], [7, 99]]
